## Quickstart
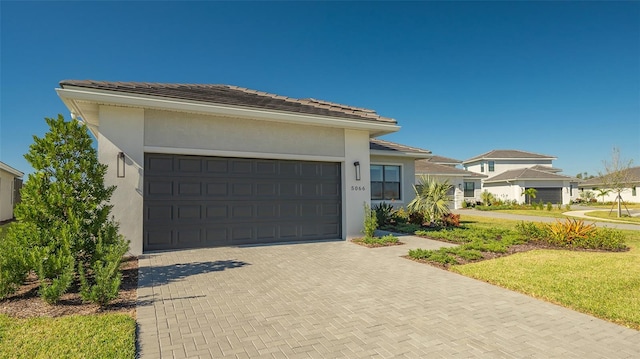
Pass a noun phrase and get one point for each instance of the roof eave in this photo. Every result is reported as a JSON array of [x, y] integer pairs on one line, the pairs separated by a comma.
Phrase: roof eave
[[399, 154], [70, 95], [508, 158], [11, 170]]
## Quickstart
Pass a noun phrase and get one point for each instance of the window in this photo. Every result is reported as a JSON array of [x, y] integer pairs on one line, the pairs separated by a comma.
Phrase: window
[[482, 167], [633, 191], [385, 182], [492, 166], [469, 189]]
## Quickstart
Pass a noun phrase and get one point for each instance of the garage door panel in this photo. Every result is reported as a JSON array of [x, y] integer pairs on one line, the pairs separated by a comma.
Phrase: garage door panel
[[190, 165], [196, 201], [548, 195], [189, 188]]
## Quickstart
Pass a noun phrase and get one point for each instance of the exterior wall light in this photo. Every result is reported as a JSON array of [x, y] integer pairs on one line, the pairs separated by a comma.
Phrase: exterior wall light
[[120, 165], [356, 164]]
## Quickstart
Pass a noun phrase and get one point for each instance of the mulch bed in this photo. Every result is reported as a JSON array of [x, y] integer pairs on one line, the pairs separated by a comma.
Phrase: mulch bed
[[26, 303]]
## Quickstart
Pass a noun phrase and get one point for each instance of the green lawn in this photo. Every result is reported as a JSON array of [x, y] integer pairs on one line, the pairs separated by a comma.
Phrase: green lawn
[[603, 284], [78, 336], [613, 215], [555, 213]]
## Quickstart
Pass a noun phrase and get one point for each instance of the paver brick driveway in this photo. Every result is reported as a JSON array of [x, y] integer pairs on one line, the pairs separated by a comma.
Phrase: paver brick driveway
[[340, 300]]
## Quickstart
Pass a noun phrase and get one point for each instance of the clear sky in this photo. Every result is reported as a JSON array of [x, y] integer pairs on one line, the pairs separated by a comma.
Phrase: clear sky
[[461, 78]]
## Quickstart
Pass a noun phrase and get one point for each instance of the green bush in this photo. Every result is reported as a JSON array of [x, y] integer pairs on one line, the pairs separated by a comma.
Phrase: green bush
[[549, 206], [604, 238], [14, 265], [532, 230], [407, 228], [370, 222], [567, 207], [467, 254], [437, 256], [400, 216], [384, 213], [63, 213]]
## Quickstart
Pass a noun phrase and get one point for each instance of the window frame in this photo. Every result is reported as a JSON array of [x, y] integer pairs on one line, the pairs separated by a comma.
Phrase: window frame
[[466, 190], [491, 166], [399, 182]]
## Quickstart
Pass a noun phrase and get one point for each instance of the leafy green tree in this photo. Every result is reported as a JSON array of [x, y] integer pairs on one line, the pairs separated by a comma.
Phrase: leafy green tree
[[63, 219], [432, 198], [530, 193]]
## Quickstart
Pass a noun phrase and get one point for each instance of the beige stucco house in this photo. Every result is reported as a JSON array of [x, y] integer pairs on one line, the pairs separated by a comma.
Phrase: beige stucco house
[[10, 184], [510, 172], [211, 165]]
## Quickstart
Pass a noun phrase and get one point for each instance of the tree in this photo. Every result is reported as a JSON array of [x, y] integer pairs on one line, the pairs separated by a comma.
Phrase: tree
[[530, 193], [617, 176], [602, 192], [63, 219], [432, 198]]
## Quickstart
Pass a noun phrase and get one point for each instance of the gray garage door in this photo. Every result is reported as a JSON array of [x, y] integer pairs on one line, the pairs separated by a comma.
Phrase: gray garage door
[[552, 195], [196, 201]]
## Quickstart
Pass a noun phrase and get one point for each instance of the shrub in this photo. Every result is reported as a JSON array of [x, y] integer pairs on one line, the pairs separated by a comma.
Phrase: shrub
[[416, 218], [400, 216], [370, 222], [532, 230], [566, 233], [451, 220], [13, 261], [567, 207], [604, 238], [549, 206], [467, 254], [465, 204], [389, 239], [384, 213], [438, 256]]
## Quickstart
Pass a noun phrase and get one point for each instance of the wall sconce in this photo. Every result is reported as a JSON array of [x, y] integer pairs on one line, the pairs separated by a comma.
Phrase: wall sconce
[[459, 185], [356, 164], [121, 165]]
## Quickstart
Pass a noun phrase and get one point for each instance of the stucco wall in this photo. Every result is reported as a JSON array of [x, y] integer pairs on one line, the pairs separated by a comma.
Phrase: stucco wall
[[193, 131], [355, 193], [627, 195], [505, 165], [121, 130], [6, 195]]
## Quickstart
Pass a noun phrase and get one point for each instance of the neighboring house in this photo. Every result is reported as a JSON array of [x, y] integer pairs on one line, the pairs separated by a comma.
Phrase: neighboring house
[[465, 185], [512, 171], [629, 194], [392, 171], [213, 165], [10, 184]]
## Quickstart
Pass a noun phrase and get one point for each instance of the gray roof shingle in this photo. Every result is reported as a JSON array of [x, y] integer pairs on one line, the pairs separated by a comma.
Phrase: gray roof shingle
[[443, 160], [234, 95], [426, 167]]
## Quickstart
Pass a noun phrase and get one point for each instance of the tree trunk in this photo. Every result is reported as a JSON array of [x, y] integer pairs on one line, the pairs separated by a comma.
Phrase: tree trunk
[[619, 205]]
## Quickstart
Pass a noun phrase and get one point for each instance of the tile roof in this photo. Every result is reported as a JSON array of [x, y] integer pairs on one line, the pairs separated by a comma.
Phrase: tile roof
[[508, 154], [377, 144], [426, 167], [234, 95], [528, 173], [634, 175], [443, 160], [546, 168]]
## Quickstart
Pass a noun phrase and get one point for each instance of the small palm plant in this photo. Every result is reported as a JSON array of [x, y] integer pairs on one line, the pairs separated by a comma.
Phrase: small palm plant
[[487, 197], [602, 192], [432, 198], [530, 193]]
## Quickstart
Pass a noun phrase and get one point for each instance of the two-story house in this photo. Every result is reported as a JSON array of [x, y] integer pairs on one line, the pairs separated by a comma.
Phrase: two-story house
[[511, 172]]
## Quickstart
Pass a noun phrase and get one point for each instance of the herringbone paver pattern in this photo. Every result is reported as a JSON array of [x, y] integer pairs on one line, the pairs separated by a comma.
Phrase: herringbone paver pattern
[[340, 300]]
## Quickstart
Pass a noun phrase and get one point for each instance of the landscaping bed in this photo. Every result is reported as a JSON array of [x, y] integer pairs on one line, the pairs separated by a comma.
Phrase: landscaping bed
[[26, 303], [376, 242]]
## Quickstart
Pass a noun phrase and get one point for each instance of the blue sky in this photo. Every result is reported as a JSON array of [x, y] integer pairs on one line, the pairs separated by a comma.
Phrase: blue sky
[[461, 78]]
